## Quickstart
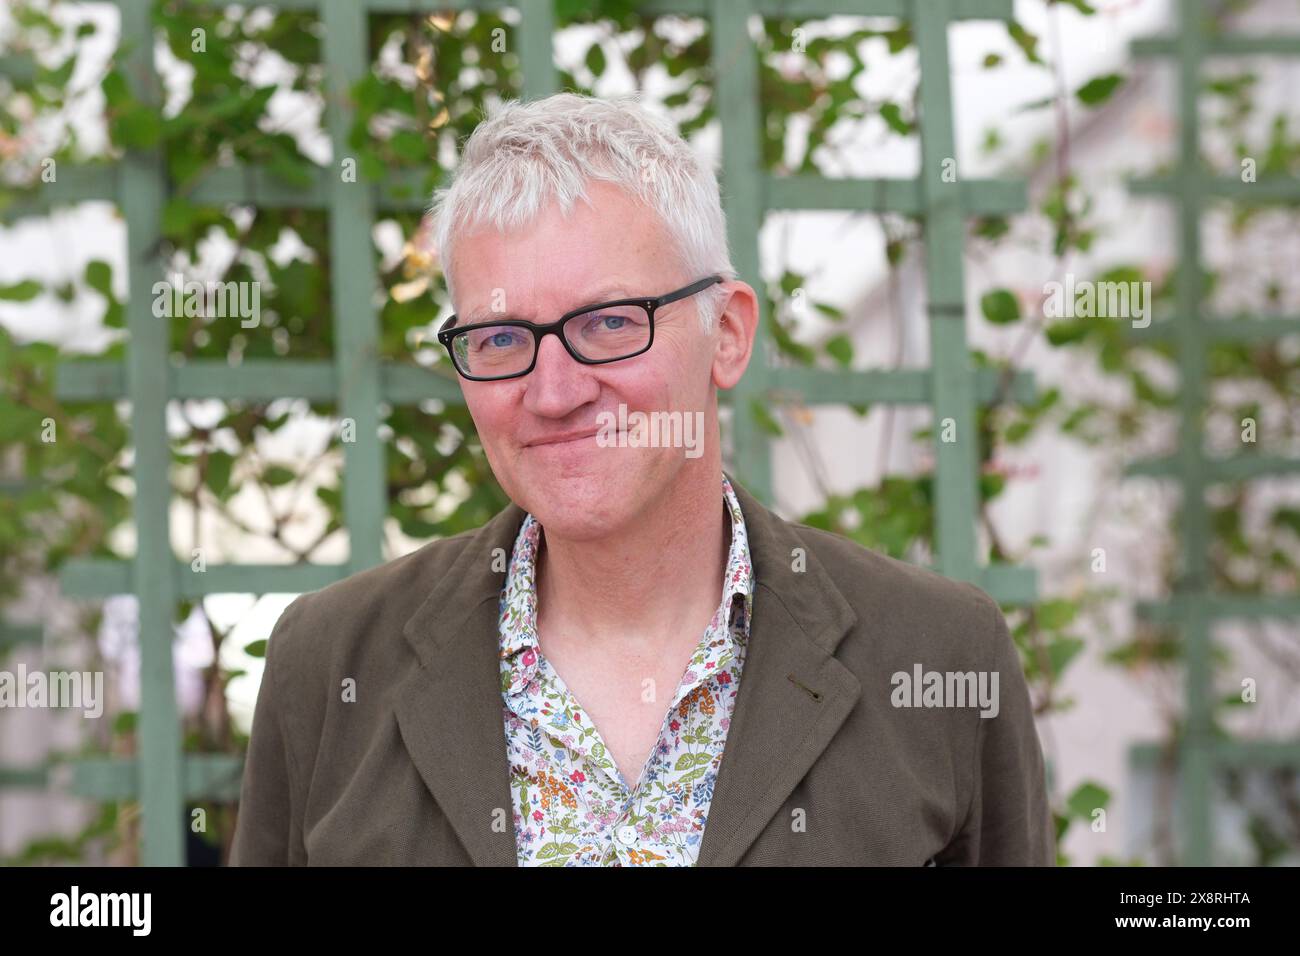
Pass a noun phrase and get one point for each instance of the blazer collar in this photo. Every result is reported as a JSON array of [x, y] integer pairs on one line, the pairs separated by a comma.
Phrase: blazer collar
[[794, 695]]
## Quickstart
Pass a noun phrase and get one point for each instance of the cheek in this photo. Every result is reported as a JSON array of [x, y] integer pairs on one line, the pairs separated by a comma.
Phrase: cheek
[[684, 361], [663, 386], [490, 411]]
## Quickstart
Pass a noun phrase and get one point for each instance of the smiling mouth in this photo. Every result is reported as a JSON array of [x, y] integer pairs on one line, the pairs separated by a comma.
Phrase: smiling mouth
[[561, 441]]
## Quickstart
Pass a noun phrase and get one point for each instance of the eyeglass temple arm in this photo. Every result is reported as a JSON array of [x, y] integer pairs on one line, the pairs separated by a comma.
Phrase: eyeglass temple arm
[[690, 290]]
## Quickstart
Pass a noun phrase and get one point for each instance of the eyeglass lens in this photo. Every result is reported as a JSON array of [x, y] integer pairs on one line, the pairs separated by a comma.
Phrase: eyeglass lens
[[605, 334]]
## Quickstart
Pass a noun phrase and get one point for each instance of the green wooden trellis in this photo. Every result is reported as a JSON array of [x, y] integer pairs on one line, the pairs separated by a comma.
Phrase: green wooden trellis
[[11, 634], [1194, 607], [163, 778]]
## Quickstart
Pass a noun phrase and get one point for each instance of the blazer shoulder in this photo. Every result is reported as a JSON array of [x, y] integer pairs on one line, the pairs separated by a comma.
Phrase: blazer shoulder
[[393, 589], [851, 559], [913, 600]]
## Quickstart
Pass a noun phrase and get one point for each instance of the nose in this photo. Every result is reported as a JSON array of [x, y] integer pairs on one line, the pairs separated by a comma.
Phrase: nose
[[558, 383]]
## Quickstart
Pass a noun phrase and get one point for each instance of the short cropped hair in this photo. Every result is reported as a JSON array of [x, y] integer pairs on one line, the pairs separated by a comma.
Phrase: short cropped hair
[[527, 155]]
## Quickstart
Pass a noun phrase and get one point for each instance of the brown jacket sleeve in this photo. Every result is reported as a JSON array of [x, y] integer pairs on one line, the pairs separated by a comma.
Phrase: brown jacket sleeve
[[1009, 822], [268, 829]]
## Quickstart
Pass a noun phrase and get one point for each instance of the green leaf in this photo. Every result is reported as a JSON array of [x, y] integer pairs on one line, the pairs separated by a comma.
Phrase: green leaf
[[892, 114], [991, 485], [256, 648], [1078, 417], [991, 227], [1000, 307], [899, 39], [277, 475], [1061, 651], [58, 76], [124, 723], [23, 291], [1068, 331], [830, 311], [1056, 613], [786, 343], [294, 170], [116, 93], [1028, 42], [1082, 6], [178, 216], [1086, 798], [220, 465], [99, 276], [184, 166], [790, 281], [596, 59], [840, 348], [1098, 89], [368, 94], [1017, 432], [137, 127], [764, 419], [1036, 104], [410, 146], [370, 165]]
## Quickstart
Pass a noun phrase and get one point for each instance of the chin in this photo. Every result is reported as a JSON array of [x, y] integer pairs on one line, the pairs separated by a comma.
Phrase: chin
[[577, 502], [578, 521]]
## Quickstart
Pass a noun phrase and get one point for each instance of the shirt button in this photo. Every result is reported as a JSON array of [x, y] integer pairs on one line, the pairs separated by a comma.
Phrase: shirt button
[[626, 835]]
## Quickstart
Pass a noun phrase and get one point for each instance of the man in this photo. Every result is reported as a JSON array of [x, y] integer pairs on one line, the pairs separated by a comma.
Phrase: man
[[635, 663]]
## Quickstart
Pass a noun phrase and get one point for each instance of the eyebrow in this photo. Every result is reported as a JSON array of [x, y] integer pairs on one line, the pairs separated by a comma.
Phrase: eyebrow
[[611, 293]]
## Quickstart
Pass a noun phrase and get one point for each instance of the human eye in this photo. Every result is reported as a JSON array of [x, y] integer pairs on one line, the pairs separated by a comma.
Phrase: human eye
[[497, 338], [613, 320]]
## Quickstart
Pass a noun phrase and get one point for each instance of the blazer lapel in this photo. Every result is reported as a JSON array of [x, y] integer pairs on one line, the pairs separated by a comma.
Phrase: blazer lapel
[[794, 694], [449, 708]]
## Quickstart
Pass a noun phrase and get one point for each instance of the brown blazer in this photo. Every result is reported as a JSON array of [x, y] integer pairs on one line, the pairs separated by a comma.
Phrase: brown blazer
[[820, 768]]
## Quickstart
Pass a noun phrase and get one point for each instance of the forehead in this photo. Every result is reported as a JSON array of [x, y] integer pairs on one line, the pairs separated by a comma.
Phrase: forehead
[[610, 247], [603, 294]]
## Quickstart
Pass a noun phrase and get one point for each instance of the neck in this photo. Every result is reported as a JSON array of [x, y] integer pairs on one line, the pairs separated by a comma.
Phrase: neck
[[648, 583]]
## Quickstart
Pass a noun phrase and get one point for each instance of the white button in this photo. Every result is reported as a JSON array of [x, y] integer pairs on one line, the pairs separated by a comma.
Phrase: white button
[[626, 835]]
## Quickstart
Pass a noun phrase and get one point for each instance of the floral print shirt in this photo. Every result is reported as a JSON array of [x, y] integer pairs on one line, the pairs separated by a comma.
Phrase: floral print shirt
[[572, 806]]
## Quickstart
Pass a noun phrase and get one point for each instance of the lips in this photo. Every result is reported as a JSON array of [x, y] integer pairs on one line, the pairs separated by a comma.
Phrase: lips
[[560, 439]]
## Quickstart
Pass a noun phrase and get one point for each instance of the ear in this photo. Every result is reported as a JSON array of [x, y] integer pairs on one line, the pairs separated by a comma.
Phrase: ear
[[734, 333]]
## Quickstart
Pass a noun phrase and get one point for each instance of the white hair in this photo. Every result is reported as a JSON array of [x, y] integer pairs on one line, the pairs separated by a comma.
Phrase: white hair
[[527, 155]]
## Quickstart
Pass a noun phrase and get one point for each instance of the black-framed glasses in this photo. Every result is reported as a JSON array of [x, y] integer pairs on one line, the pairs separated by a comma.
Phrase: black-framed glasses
[[593, 335]]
